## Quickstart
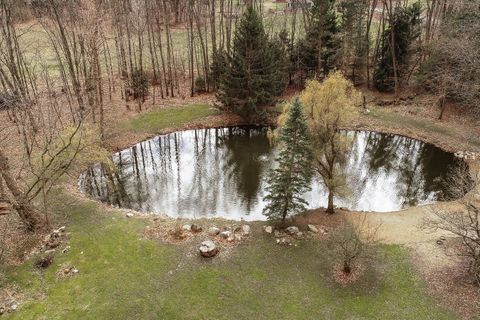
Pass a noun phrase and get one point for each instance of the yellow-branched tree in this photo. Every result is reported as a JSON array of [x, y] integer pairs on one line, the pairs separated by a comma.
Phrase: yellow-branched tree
[[330, 106]]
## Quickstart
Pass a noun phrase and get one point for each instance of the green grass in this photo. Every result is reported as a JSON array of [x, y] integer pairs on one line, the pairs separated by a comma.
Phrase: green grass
[[410, 122], [157, 120], [123, 276]]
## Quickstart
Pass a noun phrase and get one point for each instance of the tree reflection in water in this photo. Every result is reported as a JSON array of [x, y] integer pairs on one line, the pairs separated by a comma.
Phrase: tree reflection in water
[[222, 172]]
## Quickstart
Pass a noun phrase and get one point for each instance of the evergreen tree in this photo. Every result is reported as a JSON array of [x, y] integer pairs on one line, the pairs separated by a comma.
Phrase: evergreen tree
[[292, 177], [404, 28], [252, 74], [317, 53]]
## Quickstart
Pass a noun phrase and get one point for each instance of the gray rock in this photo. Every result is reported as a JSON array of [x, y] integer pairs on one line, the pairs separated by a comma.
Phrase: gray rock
[[246, 229], [292, 230], [226, 234], [312, 228], [213, 231], [268, 229], [186, 227], [208, 249], [129, 215]]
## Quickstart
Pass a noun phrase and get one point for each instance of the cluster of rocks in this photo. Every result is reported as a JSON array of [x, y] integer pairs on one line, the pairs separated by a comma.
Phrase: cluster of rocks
[[54, 240], [287, 235], [8, 306], [467, 155], [68, 272], [209, 249]]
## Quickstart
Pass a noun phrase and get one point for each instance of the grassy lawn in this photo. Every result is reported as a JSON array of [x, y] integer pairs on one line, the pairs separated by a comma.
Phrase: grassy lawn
[[123, 276], [156, 120], [410, 122]]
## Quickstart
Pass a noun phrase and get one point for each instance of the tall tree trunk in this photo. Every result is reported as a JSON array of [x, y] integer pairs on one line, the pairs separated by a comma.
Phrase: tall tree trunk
[[21, 203], [330, 208]]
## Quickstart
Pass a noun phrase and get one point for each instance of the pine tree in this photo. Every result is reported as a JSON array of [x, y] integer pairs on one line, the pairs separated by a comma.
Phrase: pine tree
[[292, 177], [252, 76]]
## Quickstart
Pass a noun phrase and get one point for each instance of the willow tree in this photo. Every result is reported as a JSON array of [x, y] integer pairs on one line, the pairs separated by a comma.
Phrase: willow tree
[[330, 106]]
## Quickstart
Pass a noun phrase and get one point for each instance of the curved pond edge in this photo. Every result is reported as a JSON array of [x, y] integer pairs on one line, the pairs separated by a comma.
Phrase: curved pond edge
[[359, 128]]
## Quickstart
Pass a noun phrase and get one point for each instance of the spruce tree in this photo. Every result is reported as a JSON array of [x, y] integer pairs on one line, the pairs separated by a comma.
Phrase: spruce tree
[[252, 75], [292, 177]]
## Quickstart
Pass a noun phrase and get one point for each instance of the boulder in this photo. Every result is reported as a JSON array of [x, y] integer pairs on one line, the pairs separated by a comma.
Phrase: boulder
[[246, 229], [312, 228], [213, 231], [292, 230], [208, 249], [226, 234], [129, 215], [196, 228], [268, 229]]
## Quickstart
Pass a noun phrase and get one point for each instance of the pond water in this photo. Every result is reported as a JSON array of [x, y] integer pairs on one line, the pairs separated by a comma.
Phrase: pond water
[[222, 173]]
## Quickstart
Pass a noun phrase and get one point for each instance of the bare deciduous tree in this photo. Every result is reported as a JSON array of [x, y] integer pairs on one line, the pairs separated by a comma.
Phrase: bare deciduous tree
[[462, 221], [354, 241]]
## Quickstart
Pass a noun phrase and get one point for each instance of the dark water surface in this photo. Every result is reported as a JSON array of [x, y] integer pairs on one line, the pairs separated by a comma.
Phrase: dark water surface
[[222, 173]]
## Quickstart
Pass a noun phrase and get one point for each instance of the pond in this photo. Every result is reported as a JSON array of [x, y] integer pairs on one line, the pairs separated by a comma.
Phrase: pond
[[223, 172]]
